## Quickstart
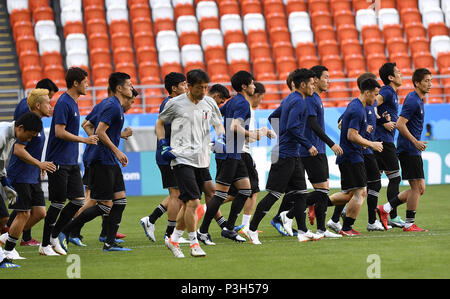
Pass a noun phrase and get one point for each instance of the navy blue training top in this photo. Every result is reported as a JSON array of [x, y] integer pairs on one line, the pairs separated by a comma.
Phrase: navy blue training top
[[413, 110], [314, 108], [389, 105]]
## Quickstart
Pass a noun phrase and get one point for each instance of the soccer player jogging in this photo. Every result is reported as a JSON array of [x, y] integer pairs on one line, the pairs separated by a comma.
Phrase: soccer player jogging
[[387, 160], [351, 163], [23, 130], [287, 174], [409, 150], [317, 166], [104, 160], [24, 171], [175, 84], [38, 208], [191, 118], [231, 168], [62, 150]]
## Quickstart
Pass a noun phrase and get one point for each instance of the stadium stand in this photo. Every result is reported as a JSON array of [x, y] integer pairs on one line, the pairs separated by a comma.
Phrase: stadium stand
[[270, 38]]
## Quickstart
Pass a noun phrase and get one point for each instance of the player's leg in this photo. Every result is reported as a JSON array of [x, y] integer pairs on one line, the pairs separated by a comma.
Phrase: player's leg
[[209, 190]]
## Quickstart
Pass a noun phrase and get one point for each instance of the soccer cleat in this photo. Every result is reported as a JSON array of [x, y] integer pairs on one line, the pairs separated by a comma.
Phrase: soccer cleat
[[149, 228], [57, 246], [47, 251], [63, 241], [175, 248], [414, 228], [13, 255], [328, 234], [244, 231], [253, 237], [197, 251], [238, 228], [32, 242], [182, 240], [77, 241], [335, 226], [308, 236], [205, 238], [349, 233], [311, 214], [103, 240], [120, 236], [376, 226], [396, 222], [287, 223], [114, 247], [232, 235], [278, 226], [384, 216], [3, 239], [6, 263]]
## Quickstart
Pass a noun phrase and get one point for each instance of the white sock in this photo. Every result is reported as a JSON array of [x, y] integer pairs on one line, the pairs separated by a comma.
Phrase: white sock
[[387, 207], [176, 235], [246, 219], [193, 238]]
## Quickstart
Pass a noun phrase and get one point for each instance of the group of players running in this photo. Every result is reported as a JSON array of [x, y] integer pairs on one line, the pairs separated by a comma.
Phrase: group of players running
[[184, 133]]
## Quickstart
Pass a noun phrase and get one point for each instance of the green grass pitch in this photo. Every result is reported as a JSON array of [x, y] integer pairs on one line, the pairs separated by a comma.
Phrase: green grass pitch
[[400, 254]]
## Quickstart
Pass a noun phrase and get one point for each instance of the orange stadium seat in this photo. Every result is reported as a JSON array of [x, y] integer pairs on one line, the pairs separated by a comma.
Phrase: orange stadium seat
[[73, 27], [259, 50], [391, 31], [184, 9], [347, 31], [19, 15], [354, 63], [318, 6], [98, 40], [227, 7], [26, 42], [415, 30], [273, 6], [238, 65], [123, 54], [280, 34], [263, 65], [148, 69], [139, 10], [328, 47], [373, 45], [437, 29], [120, 39], [144, 39], [321, 18], [401, 4], [332, 62], [221, 78], [423, 60], [308, 61], [54, 72], [146, 53], [163, 25], [305, 49], [233, 36], [166, 68], [129, 68], [443, 61], [360, 4], [217, 66], [342, 17], [375, 61], [410, 15], [256, 36], [418, 44], [101, 70], [42, 13], [337, 5], [141, 25], [29, 57], [37, 3], [350, 46], [96, 26], [214, 52], [100, 55], [402, 60], [21, 28], [295, 5], [282, 49], [31, 75], [276, 19], [388, 4], [49, 58], [94, 2], [92, 12], [118, 26], [371, 31], [324, 32], [396, 45], [250, 6]]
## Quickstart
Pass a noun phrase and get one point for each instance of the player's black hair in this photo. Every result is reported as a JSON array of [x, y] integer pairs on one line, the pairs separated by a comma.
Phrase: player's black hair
[[221, 90], [301, 75], [369, 84], [173, 79], [365, 76], [116, 79], [241, 78], [259, 88], [30, 122], [419, 74], [75, 74], [47, 84], [197, 76], [318, 70], [385, 71]]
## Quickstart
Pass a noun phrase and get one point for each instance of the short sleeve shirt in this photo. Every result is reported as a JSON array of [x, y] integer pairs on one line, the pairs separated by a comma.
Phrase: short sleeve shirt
[[413, 110]]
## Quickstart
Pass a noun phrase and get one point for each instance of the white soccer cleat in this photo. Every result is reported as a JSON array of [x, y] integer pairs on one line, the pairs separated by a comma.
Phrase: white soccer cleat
[[287, 223], [175, 248], [13, 255], [308, 236], [57, 246], [376, 226], [3, 239], [244, 231], [47, 251], [205, 238], [253, 237], [149, 228], [182, 240], [328, 234], [335, 226], [197, 251]]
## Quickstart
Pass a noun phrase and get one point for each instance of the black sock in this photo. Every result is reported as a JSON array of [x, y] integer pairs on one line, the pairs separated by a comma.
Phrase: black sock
[[236, 207], [49, 222], [410, 216], [170, 227], [393, 189], [158, 212], [337, 213], [66, 215], [86, 216], [286, 203], [263, 207], [211, 209], [348, 223], [373, 189], [222, 222], [26, 235], [320, 208], [10, 243], [300, 211], [104, 225], [395, 202], [12, 216], [115, 217]]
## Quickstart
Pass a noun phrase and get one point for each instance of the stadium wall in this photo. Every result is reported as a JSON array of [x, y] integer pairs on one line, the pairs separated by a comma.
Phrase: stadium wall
[[142, 176]]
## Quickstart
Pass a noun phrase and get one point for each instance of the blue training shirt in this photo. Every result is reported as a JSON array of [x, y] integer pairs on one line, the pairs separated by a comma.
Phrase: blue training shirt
[[167, 129], [371, 121], [111, 113], [413, 110], [59, 151], [92, 117], [19, 171], [236, 108], [389, 105], [292, 115], [314, 108], [354, 117]]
